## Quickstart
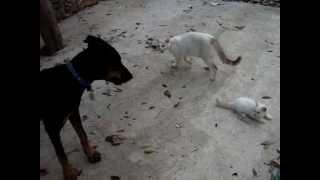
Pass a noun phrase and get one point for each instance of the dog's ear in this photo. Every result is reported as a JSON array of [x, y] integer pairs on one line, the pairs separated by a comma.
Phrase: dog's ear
[[94, 42], [90, 39]]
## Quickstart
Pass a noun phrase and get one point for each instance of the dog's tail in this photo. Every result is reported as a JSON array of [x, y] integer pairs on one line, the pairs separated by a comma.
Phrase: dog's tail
[[224, 105], [222, 55]]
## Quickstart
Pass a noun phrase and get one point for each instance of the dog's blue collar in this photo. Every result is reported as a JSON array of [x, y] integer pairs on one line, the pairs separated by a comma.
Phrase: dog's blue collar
[[85, 84]]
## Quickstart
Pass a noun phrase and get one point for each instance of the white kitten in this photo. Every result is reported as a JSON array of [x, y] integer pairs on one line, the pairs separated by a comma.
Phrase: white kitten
[[201, 45], [247, 107]]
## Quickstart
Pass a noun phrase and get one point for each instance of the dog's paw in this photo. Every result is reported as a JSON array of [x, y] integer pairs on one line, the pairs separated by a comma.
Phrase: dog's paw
[[94, 157], [71, 174]]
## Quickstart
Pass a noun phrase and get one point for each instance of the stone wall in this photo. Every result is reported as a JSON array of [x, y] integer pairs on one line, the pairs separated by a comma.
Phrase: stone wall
[[66, 8]]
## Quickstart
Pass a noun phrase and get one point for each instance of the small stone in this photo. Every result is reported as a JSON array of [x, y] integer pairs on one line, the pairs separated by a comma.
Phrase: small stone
[[115, 140], [254, 172], [167, 93], [239, 27], [266, 97], [120, 130], [149, 152], [214, 4], [266, 144], [178, 125], [114, 178]]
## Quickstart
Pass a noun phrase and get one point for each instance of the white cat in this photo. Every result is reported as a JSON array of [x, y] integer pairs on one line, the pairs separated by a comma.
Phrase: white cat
[[201, 45], [247, 107]]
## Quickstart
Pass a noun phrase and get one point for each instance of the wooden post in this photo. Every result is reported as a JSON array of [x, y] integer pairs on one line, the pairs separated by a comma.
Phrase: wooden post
[[49, 29]]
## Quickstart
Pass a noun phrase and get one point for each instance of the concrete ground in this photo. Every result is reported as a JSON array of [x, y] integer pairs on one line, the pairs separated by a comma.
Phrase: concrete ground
[[194, 140]]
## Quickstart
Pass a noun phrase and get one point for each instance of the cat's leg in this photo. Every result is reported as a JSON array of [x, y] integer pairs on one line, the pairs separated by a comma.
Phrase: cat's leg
[[177, 62], [242, 116], [256, 118], [187, 60]]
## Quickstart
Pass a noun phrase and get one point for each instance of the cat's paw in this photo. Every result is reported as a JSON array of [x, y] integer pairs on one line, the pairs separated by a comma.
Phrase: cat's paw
[[174, 66], [212, 79]]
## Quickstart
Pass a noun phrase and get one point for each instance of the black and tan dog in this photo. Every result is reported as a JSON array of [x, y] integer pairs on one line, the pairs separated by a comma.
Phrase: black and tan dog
[[61, 88]]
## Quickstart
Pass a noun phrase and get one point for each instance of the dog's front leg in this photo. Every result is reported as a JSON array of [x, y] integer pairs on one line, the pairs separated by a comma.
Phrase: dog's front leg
[[93, 155], [53, 131]]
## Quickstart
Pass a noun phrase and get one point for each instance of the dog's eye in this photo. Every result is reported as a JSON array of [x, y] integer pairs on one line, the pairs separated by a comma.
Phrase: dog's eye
[[264, 109]]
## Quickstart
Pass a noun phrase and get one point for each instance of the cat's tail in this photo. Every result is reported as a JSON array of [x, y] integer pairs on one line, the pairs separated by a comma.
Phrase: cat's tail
[[221, 104], [222, 55]]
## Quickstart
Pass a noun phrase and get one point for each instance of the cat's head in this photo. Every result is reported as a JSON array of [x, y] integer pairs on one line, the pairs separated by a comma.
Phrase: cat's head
[[262, 112]]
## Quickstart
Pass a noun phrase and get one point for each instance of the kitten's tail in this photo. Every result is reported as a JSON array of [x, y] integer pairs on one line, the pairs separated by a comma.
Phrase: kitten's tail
[[222, 55], [223, 104]]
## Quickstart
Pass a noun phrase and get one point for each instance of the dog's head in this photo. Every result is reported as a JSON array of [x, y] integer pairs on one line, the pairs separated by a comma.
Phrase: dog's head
[[105, 62]]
